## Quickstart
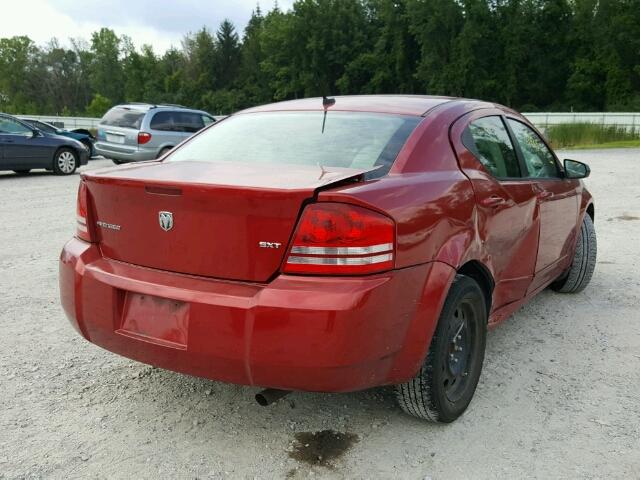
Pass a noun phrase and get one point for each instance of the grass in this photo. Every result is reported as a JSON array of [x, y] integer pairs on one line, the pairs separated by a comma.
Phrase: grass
[[619, 144], [592, 135]]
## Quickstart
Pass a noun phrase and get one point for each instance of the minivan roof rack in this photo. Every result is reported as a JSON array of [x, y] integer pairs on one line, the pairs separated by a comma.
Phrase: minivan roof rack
[[152, 105], [138, 103], [169, 105]]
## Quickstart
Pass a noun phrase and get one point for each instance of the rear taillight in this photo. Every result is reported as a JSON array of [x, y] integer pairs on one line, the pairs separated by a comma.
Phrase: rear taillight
[[143, 137], [82, 216], [336, 238]]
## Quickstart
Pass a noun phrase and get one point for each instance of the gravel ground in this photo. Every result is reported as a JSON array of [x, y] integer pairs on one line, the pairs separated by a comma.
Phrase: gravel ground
[[559, 396]]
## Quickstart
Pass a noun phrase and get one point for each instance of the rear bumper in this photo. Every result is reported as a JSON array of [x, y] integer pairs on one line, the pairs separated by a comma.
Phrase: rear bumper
[[123, 153], [298, 333]]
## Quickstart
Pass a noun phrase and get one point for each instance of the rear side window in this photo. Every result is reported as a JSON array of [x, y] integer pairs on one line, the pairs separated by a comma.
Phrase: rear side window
[[177, 122], [8, 125], [488, 140], [42, 126], [123, 117], [342, 139], [538, 159]]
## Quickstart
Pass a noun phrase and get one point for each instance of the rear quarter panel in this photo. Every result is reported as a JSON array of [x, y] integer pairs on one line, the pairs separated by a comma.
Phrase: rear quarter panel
[[425, 192]]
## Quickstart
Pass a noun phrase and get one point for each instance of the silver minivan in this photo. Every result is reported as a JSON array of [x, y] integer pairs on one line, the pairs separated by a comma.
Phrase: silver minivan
[[141, 131]]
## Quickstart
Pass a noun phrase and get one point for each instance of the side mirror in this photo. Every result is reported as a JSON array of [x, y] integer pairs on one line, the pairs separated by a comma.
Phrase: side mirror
[[35, 133], [575, 169]]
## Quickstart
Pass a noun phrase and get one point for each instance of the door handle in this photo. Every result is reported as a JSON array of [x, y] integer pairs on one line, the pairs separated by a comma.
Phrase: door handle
[[544, 194], [492, 201]]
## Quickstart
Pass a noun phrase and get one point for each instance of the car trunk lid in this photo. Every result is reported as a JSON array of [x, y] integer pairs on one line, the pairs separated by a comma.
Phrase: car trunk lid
[[224, 220]]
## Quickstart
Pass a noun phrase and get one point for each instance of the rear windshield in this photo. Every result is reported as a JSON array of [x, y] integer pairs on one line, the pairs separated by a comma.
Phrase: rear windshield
[[123, 117], [349, 140]]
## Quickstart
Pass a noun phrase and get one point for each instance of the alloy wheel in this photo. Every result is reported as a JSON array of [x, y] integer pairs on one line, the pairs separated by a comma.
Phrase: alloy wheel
[[66, 162]]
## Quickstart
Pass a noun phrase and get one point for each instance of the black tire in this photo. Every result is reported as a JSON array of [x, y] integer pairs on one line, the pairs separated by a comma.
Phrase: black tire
[[164, 151], [119, 162], [87, 143], [65, 161], [23, 171], [442, 390], [584, 261]]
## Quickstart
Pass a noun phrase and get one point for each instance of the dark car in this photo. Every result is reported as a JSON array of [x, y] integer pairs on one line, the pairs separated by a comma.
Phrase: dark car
[[23, 148], [82, 135], [331, 245]]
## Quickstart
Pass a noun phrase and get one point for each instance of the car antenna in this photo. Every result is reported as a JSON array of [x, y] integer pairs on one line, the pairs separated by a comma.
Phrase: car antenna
[[326, 103]]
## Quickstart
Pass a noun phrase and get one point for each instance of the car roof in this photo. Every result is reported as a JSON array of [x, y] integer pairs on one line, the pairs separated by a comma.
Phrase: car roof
[[35, 120], [13, 117], [145, 107], [398, 104]]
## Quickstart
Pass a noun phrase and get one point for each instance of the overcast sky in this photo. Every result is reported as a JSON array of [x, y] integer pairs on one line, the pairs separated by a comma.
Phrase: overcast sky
[[161, 23]]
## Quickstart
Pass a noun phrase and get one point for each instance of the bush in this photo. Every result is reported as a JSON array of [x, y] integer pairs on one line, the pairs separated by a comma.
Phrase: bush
[[575, 134], [98, 106]]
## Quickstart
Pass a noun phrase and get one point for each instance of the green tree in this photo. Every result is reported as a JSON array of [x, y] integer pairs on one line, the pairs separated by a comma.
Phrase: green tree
[[60, 83], [390, 65], [528, 54], [227, 59], [435, 24], [476, 53], [200, 66], [19, 64], [106, 73], [251, 78], [98, 106]]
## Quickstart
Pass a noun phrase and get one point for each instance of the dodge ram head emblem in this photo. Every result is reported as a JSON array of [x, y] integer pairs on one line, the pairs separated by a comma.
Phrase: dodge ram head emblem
[[166, 220]]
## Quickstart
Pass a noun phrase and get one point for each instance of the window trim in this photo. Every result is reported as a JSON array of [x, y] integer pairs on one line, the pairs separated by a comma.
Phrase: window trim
[[513, 144], [520, 155]]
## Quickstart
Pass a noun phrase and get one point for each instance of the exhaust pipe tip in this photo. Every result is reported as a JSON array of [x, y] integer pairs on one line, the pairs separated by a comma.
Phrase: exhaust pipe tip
[[270, 395]]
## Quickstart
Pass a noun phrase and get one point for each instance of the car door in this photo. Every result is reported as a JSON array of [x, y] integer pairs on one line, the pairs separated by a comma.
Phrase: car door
[[507, 222], [557, 199], [21, 149]]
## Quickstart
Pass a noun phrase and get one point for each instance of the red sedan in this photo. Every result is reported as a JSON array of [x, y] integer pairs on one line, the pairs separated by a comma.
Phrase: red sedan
[[330, 245]]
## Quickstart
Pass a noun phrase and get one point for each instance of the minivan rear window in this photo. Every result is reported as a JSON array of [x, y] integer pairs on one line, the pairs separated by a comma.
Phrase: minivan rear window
[[123, 117], [342, 139]]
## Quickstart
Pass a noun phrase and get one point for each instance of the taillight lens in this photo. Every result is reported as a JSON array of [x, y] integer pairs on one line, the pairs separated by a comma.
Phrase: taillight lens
[[143, 137], [337, 238], [83, 231]]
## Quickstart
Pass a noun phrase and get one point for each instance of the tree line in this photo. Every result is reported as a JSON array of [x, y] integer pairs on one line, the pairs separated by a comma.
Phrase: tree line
[[582, 55]]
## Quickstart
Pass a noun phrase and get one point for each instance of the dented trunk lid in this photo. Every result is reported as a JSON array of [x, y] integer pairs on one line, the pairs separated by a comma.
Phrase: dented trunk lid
[[225, 220]]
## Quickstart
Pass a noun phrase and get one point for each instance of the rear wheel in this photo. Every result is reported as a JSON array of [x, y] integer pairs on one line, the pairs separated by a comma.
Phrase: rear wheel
[[164, 151], [584, 261], [23, 171], [65, 162], [447, 380]]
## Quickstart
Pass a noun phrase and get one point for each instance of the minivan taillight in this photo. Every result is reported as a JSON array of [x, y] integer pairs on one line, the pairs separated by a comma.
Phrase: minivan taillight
[[143, 137], [83, 231], [337, 238]]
